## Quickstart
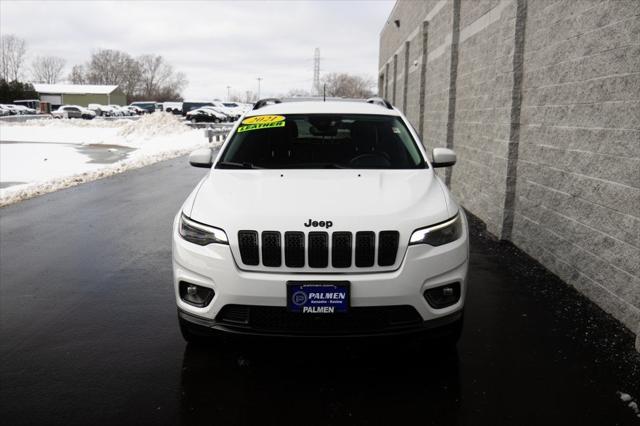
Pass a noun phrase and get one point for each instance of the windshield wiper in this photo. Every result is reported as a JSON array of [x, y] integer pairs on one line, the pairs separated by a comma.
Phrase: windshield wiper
[[232, 165]]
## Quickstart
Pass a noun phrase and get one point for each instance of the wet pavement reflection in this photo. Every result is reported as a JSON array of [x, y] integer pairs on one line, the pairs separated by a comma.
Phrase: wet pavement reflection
[[319, 383]]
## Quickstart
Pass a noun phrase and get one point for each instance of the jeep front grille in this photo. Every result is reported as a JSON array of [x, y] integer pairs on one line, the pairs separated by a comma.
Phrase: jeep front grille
[[341, 249], [318, 249], [313, 249], [365, 249], [294, 249], [248, 241], [271, 253]]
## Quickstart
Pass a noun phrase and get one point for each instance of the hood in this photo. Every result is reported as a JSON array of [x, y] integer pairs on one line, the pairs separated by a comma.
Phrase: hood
[[284, 200], [292, 200]]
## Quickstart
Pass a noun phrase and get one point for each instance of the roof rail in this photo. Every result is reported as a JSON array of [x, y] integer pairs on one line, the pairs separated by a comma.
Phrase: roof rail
[[271, 101], [265, 102], [380, 101]]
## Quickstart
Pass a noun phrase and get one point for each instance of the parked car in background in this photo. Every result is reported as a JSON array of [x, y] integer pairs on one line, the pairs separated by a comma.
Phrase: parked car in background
[[12, 109], [131, 110], [109, 111], [207, 114], [23, 110], [73, 111], [4, 111], [33, 104], [145, 105], [98, 109], [191, 105], [123, 112], [136, 109], [231, 109], [234, 109], [172, 107]]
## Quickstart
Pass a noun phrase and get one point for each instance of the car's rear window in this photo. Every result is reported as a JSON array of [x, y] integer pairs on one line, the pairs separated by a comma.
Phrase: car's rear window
[[318, 141]]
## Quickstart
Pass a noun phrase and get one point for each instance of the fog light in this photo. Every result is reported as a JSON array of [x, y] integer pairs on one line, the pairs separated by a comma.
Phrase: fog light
[[443, 296], [195, 295]]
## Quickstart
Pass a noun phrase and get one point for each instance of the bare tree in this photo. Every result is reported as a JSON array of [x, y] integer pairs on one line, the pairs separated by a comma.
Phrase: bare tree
[[108, 66], [158, 80], [131, 75], [250, 97], [293, 93], [245, 97], [148, 77], [77, 75], [347, 86], [47, 69], [12, 52]]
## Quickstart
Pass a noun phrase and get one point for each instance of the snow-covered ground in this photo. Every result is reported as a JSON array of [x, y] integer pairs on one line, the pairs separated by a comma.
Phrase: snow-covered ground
[[41, 156]]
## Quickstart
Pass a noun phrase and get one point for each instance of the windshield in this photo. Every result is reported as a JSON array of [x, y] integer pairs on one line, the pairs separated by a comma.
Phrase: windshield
[[230, 105], [319, 141]]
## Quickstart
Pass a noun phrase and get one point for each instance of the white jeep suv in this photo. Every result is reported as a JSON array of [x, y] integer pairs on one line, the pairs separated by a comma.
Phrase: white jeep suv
[[321, 219]]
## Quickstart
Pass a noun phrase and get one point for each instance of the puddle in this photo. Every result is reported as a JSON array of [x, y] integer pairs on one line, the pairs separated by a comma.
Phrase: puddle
[[4, 185], [97, 153], [104, 154], [27, 162]]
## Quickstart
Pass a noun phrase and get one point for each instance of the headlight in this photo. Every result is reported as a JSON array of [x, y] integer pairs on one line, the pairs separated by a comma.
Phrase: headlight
[[440, 234], [200, 234]]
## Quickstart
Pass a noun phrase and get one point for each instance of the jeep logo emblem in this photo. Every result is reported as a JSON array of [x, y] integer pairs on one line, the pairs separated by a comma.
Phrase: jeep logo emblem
[[322, 224]]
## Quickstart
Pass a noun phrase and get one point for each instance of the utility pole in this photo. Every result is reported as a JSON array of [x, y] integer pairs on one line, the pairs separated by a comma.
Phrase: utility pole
[[228, 93], [315, 90], [259, 80]]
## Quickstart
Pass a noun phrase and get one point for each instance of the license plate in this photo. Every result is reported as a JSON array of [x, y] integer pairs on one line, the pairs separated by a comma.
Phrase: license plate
[[318, 297]]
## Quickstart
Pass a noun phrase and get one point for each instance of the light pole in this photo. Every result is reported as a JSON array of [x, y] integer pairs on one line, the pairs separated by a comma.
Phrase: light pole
[[259, 80], [228, 93]]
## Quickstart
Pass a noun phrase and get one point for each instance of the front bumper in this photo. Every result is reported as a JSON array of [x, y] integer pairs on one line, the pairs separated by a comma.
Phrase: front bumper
[[422, 268], [443, 326]]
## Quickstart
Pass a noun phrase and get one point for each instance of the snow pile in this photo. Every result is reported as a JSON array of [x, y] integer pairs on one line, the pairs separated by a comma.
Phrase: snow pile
[[153, 125], [42, 156]]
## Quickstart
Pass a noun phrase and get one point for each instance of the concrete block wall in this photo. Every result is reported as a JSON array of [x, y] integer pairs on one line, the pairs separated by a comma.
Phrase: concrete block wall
[[541, 101], [483, 107], [577, 204]]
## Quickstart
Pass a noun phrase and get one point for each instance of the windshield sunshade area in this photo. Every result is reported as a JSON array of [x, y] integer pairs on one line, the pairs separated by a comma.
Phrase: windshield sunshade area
[[321, 141]]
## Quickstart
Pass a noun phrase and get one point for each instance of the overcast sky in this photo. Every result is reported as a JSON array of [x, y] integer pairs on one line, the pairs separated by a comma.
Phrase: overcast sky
[[216, 44]]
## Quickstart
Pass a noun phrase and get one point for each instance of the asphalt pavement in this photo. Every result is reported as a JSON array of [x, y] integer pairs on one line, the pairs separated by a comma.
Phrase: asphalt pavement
[[89, 336]]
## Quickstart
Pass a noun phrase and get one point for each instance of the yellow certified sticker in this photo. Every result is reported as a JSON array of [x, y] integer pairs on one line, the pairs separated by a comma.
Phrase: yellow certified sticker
[[257, 126], [259, 119]]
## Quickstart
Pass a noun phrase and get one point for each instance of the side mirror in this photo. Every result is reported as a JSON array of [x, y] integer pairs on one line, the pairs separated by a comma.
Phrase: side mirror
[[201, 158], [443, 157]]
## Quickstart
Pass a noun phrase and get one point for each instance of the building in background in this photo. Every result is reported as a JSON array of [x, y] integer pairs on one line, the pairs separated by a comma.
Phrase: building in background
[[80, 94], [540, 99]]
